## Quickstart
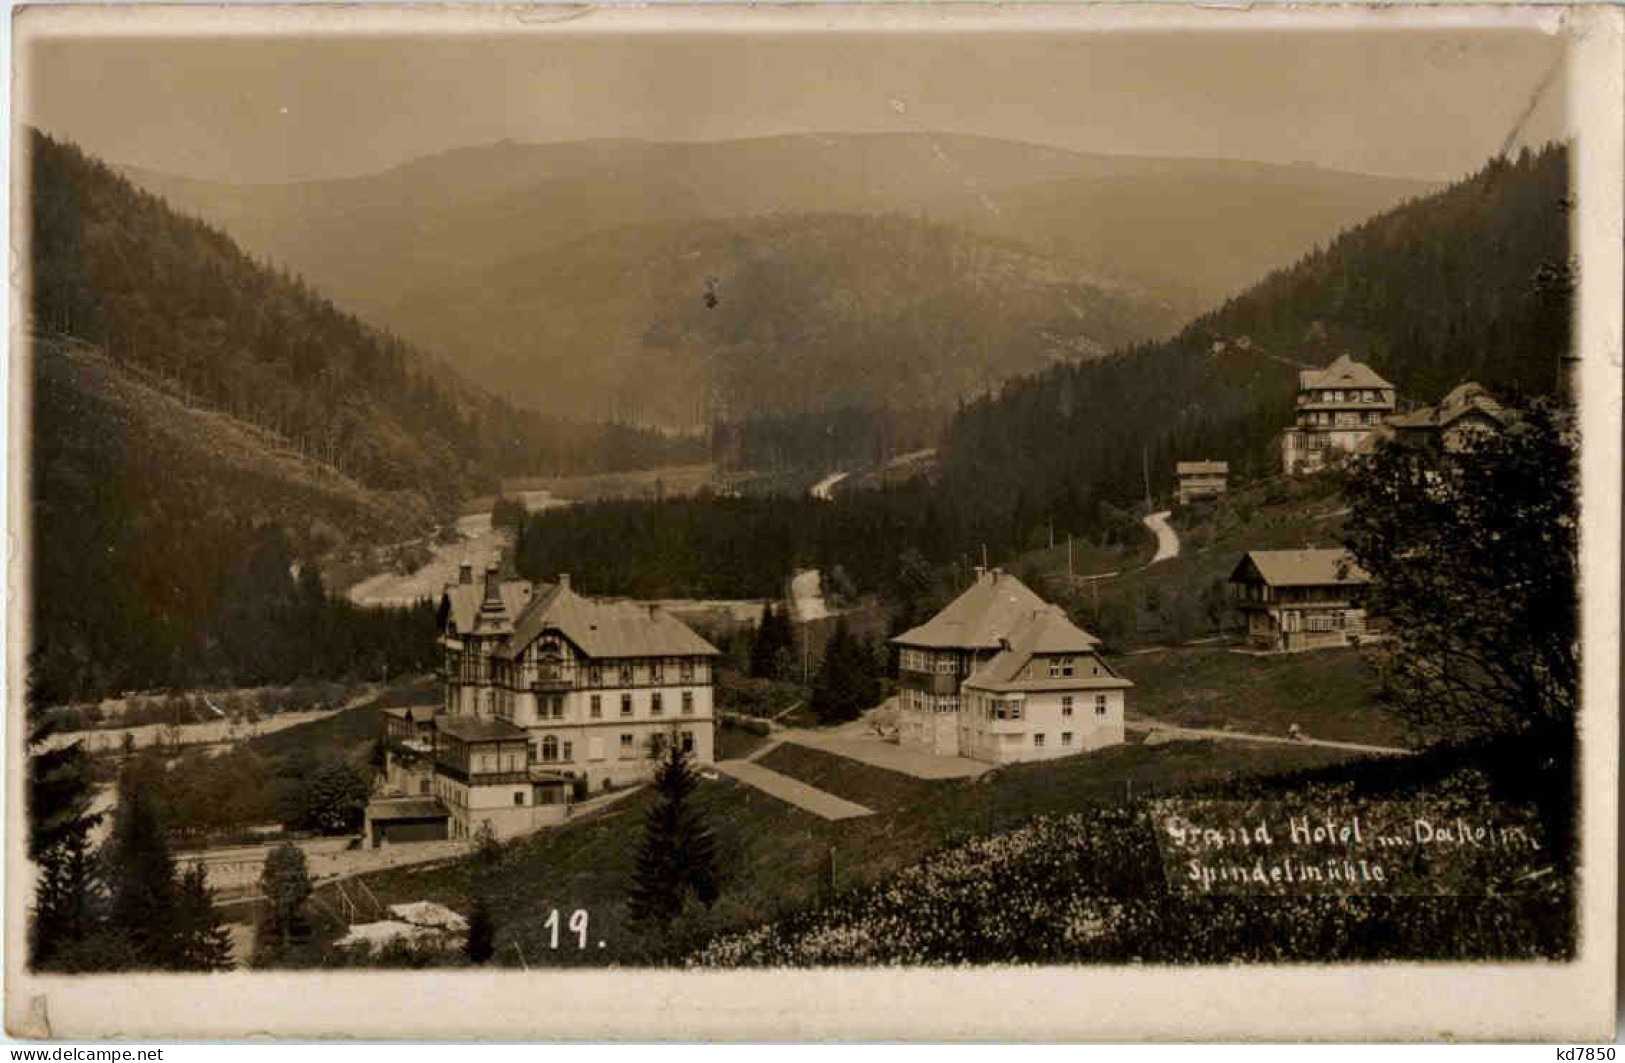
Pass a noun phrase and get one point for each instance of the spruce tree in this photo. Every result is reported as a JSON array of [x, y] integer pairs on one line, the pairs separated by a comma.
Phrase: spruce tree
[[60, 788], [141, 875], [205, 943], [847, 682], [678, 854], [764, 647], [285, 884]]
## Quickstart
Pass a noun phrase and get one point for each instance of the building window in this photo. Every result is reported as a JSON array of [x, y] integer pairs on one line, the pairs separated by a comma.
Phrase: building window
[[626, 674], [626, 704], [1100, 704], [1066, 705], [1066, 738], [685, 670], [550, 748], [1038, 741], [656, 707], [595, 675], [1060, 667], [688, 703], [519, 797], [627, 748], [688, 741], [595, 706], [557, 701]]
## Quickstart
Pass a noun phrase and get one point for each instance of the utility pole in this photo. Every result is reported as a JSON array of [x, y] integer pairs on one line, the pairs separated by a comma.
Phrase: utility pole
[[1069, 555], [1145, 469]]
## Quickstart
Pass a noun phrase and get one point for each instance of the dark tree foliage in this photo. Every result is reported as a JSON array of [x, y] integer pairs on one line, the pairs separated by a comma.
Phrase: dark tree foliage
[[1466, 284], [772, 637], [848, 679], [1474, 562], [677, 857], [164, 920], [481, 943], [60, 790], [285, 884], [852, 437], [334, 799], [747, 547], [205, 943]]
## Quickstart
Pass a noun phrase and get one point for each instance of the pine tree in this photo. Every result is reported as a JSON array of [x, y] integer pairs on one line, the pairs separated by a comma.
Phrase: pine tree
[[141, 875], [482, 932], [764, 648], [205, 943], [678, 854], [285, 884], [60, 786], [848, 679]]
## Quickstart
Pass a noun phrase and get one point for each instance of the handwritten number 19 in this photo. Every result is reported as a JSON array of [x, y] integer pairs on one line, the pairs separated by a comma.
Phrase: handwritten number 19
[[577, 925]]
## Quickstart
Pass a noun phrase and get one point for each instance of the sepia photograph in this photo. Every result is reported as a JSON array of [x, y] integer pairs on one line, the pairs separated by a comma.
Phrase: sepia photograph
[[709, 498]]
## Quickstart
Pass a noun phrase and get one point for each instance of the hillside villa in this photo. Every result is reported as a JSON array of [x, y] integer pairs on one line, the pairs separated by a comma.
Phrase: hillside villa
[[1338, 408], [1467, 412], [546, 695], [1300, 599], [1000, 675], [1201, 479]]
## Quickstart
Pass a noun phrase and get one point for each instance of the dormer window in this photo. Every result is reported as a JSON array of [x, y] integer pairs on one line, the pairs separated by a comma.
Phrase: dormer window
[[1061, 667]]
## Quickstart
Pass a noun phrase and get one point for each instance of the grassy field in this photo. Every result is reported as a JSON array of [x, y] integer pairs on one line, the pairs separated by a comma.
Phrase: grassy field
[[777, 859], [343, 732], [1329, 694], [736, 743]]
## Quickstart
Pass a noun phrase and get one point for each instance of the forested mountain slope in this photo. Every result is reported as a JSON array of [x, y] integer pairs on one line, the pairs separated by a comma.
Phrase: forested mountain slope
[[115, 267], [776, 314], [413, 247], [1471, 283]]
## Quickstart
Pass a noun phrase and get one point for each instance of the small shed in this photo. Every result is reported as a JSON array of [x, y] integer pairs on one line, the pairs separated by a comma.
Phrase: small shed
[[396, 820]]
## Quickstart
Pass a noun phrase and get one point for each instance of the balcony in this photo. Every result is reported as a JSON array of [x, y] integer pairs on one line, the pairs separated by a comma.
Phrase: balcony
[[929, 682]]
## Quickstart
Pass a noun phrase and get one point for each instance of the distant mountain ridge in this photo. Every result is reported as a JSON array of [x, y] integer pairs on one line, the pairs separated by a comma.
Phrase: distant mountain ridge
[[1180, 233]]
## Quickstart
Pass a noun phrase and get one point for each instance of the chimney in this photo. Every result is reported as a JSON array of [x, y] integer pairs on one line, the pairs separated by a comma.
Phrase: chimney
[[564, 581], [465, 572]]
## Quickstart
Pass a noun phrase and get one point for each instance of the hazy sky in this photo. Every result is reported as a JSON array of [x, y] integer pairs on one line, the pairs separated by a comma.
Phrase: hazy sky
[[1430, 104]]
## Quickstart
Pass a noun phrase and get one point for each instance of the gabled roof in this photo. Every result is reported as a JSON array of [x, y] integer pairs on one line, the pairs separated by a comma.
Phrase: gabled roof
[[463, 601], [1301, 568], [994, 606], [1046, 632], [1463, 400], [1345, 372], [1202, 468], [604, 629]]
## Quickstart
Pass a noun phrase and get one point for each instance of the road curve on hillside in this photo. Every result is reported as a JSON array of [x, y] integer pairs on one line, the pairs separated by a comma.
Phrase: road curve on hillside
[[1167, 538], [824, 490]]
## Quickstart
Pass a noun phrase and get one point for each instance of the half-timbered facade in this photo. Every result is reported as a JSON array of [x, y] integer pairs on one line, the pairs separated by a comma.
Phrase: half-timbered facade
[[594, 685], [1338, 408], [1300, 599]]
